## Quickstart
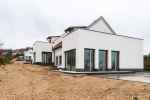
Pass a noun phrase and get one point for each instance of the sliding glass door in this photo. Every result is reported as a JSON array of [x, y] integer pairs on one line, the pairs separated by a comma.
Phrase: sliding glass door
[[70, 60], [46, 57], [115, 60], [89, 55], [103, 60]]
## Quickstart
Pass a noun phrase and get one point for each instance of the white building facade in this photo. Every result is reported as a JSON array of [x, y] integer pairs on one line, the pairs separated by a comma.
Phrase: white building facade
[[97, 48], [42, 52], [28, 55]]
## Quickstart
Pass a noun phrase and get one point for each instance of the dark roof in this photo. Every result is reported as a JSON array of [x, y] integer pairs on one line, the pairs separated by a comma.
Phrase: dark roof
[[71, 28], [49, 37]]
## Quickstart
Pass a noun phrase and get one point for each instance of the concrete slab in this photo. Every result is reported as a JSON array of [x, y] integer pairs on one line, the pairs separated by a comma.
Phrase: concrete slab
[[98, 72], [141, 77]]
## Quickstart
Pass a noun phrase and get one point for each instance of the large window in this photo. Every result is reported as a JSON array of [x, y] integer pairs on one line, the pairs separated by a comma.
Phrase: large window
[[103, 59], [70, 60], [115, 60], [46, 57], [56, 60], [60, 60], [89, 55]]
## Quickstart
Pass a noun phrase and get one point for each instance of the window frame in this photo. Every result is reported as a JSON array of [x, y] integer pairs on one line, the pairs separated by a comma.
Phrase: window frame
[[70, 59], [106, 58]]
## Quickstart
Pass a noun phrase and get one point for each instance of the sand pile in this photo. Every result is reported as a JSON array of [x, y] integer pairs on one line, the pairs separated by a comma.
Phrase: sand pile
[[33, 82]]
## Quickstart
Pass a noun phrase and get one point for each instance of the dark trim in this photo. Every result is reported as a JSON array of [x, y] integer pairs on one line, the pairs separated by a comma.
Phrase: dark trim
[[49, 37], [69, 50], [132, 69], [89, 49], [114, 34]]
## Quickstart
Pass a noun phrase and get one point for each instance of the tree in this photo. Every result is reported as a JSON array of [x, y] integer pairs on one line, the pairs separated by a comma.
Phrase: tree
[[149, 56], [145, 57]]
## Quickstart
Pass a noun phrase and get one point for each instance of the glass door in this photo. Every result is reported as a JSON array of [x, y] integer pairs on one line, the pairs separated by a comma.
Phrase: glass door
[[89, 59], [115, 60], [103, 60], [70, 60]]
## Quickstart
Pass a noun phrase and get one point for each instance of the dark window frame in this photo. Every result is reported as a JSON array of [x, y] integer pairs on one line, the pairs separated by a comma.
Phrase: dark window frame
[[60, 60], [106, 57], [70, 59], [57, 60], [118, 59], [93, 67], [46, 57]]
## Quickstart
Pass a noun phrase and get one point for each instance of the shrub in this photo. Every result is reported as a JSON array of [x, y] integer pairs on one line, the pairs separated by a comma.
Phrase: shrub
[[5, 60]]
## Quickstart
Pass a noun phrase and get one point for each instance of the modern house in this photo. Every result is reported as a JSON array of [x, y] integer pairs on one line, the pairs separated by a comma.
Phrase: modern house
[[28, 55], [42, 52], [96, 47]]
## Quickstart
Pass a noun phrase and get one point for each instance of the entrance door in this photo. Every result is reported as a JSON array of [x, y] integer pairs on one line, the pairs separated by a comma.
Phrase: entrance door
[[89, 59], [115, 60], [46, 57], [70, 60], [103, 60]]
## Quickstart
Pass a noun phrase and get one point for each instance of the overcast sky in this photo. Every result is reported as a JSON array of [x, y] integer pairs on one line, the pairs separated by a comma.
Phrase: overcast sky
[[24, 21]]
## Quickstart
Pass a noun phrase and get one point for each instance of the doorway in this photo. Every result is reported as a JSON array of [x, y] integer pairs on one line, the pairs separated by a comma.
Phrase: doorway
[[103, 60], [89, 59], [115, 60], [46, 58]]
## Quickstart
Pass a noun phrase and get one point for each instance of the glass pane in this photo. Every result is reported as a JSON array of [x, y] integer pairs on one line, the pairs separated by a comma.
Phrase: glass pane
[[89, 59], [102, 60], [70, 57], [115, 60], [92, 60]]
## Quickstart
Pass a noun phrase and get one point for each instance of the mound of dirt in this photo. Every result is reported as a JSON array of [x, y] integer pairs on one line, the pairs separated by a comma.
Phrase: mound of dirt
[[34, 82]]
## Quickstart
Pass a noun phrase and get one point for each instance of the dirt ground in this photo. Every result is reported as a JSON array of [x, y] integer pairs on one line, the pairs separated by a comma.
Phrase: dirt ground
[[33, 82]]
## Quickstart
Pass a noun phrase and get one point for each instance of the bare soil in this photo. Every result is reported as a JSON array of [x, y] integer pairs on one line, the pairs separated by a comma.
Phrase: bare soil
[[33, 82]]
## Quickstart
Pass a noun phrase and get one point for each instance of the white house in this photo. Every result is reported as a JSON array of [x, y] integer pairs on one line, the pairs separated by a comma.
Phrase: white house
[[97, 47], [42, 52], [28, 55]]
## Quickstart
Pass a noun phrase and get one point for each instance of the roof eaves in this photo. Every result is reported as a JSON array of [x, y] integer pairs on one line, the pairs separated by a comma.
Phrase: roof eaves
[[114, 34]]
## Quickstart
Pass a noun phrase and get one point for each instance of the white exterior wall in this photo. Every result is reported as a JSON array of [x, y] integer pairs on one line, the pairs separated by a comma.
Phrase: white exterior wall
[[28, 53], [131, 50], [39, 47], [70, 42]]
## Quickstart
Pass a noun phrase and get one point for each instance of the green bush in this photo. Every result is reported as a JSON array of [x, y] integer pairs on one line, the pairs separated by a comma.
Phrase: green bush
[[5, 60], [2, 62]]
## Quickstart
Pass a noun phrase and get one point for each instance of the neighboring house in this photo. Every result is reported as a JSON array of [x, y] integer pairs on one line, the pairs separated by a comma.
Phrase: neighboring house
[[19, 53], [28, 55], [42, 52]]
